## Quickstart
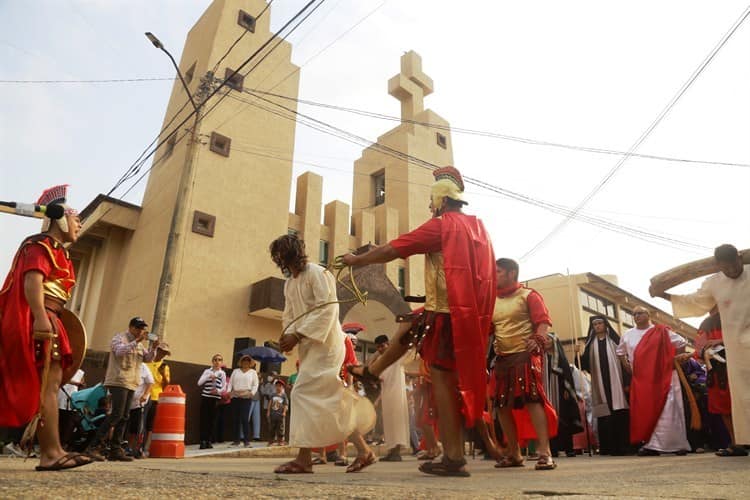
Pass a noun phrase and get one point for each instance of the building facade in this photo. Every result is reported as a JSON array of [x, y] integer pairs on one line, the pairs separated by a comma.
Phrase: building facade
[[573, 299], [224, 293]]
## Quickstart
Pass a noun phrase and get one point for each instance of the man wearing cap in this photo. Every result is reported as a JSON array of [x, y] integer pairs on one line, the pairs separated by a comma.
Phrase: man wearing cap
[[32, 334], [122, 378], [160, 371], [459, 288]]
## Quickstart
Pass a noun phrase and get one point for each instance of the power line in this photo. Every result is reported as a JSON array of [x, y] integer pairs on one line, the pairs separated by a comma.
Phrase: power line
[[273, 37], [348, 136], [139, 162], [242, 35], [702, 66], [482, 133], [296, 70], [111, 80]]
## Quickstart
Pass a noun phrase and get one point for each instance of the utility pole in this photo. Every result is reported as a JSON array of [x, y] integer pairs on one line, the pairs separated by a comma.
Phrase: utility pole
[[175, 238]]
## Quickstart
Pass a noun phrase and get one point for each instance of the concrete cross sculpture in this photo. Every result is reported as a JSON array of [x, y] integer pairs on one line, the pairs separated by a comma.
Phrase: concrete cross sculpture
[[410, 86]]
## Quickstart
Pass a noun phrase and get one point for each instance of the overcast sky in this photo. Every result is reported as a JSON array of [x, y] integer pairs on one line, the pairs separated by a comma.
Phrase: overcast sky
[[589, 74]]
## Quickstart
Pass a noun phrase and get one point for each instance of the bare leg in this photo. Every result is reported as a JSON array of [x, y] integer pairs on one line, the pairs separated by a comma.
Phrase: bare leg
[[431, 445], [49, 433], [394, 352], [304, 457], [359, 442], [539, 421], [490, 445], [509, 429], [445, 389]]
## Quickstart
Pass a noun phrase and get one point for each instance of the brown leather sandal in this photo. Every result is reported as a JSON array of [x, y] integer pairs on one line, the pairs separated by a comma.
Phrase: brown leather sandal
[[545, 462], [362, 462], [446, 467], [292, 468], [506, 462]]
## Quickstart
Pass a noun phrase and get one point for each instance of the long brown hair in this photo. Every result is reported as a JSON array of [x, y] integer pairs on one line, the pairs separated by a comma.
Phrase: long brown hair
[[288, 251]]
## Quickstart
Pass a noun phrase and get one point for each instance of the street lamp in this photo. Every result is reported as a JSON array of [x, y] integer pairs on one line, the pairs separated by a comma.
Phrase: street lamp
[[175, 236], [157, 43]]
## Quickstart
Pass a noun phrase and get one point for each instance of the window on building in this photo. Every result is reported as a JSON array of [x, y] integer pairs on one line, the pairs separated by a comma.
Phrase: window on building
[[204, 223], [323, 255], [234, 80], [402, 281], [595, 304], [378, 184], [190, 73], [627, 318], [246, 21], [220, 144], [442, 141]]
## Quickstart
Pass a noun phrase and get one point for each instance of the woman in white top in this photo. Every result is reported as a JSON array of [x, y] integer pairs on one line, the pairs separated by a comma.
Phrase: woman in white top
[[213, 381], [243, 385]]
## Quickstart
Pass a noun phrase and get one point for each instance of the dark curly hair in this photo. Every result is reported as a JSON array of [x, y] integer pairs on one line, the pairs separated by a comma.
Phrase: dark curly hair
[[288, 251]]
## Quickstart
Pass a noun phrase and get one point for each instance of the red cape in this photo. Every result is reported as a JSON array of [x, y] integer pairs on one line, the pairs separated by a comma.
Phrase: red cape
[[19, 378], [649, 388], [469, 265]]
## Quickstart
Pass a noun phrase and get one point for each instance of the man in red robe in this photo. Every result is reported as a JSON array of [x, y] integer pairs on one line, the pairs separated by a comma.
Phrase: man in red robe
[[36, 289], [459, 289]]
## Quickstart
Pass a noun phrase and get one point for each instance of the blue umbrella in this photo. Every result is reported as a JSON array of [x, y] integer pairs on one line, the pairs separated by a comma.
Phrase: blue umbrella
[[263, 354]]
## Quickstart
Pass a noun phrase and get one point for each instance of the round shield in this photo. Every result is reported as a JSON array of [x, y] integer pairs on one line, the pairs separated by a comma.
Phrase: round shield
[[77, 339]]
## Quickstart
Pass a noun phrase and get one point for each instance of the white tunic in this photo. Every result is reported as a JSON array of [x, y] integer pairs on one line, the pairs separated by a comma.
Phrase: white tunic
[[323, 411], [670, 433], [733, 298], [395, 405]]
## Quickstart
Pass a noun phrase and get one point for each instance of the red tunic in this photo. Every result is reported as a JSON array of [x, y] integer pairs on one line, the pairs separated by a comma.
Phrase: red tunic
[[469, 265], [649, 388], [20, 356]]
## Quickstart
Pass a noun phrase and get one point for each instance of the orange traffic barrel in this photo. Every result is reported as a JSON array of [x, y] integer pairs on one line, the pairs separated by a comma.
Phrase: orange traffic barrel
[[168, 437]]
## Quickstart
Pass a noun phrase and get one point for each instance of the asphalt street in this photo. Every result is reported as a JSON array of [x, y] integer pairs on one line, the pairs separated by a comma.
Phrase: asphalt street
[[693, 477]]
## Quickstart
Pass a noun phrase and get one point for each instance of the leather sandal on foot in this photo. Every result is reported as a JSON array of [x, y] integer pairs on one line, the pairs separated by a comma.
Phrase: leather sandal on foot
[[732, 451], [362, 462], [446, 467], [67, 461], [545, 462], [506, 462], [292, 468]]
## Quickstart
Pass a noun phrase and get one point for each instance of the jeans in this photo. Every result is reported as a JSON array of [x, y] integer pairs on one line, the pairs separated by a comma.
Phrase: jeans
[[255, 417], [117, 418], [241, 414]]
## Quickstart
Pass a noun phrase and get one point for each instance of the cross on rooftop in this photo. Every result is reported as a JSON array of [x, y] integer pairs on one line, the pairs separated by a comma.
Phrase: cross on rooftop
[[411, 85]]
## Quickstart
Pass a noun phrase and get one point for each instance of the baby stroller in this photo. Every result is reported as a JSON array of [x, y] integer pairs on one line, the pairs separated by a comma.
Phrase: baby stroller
[[89, 412]]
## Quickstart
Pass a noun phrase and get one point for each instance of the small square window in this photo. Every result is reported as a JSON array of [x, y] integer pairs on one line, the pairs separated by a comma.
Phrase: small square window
[[246, 21], [378, 182], [220, 144], [323, 257], [442, 141], [190, 73], [234, 80], [169, 145], [204, 223]]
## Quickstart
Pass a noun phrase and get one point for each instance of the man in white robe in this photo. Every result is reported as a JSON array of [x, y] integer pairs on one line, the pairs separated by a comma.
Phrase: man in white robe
[[323, 410], [670, 433], [728, 289], [394, 405]]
